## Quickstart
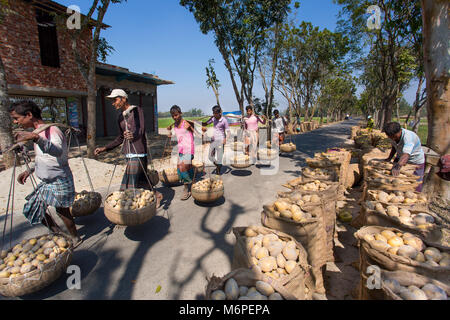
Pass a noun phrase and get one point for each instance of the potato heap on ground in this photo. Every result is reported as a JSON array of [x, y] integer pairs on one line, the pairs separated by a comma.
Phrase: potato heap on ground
[[85, 199], [399, 197], [31, 254], [409, 246], [290, 208], [130, 199], [271, 255], [315, 185], [232, 291], [427, 292], [420, 220], [209, 184], [319, 172]]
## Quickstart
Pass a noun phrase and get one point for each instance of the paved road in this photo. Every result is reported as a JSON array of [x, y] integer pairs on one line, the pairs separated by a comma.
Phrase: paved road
[[184, 243]]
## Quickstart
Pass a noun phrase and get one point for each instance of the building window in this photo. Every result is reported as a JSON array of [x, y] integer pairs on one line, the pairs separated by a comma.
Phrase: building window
[[48, 40]]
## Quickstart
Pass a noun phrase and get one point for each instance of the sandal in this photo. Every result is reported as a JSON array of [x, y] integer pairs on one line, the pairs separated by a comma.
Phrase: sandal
[[186, 196], [159, 197]]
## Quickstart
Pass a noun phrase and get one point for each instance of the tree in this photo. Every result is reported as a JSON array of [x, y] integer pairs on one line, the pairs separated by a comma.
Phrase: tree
[[239, 28], [436, 26], [87, 65], [6, 137], [212, 81]]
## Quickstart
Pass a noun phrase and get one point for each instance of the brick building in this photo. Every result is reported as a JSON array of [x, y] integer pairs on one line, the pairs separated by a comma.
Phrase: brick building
[[40, 66]]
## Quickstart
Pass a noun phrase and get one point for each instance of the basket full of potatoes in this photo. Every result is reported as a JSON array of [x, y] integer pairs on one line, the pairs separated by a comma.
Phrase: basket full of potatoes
[[34, 264], [267, 154], [130, 207], [288, 147], [169, 176], [85, 203], [241, 161], [208, 190]]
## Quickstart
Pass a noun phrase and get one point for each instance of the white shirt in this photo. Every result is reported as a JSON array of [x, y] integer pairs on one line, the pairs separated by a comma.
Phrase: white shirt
[[278, 125]]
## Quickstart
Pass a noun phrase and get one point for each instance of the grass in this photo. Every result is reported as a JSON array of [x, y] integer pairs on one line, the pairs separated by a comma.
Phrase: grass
[[165, 122], [423, 130]]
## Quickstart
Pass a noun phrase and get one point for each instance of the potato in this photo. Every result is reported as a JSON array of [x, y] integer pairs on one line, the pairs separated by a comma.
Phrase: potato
[[47, 251], [413, 293], [275, 296], [281, 260], [434, 254], [15, 270], [420, 257], [380, 237], [249, 232], [379, 208], [62, 242], [286, 214], [231, 289], [415, 243], [393, 250], [407, 251], [395, 241], [291, 244], [27, 267], [380, 245], [315, 198], [275, 248], [290, 266], [382, 196], [266, 264], [392, 284], [264, 288], [218, 295], [290, 253], [392, 211], [255, 249], [41, 257], [434, 292], [445, 262], [369, 237], [262, 253], [243, 290], [388, 234]]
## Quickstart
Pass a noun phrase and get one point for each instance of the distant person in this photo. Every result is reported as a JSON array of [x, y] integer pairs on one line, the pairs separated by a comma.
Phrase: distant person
[[51, 167], [298, 123], [370, 123], [184, 131], [279, 127], [251, 131], [131, 124], [219, 139], [406, 144]]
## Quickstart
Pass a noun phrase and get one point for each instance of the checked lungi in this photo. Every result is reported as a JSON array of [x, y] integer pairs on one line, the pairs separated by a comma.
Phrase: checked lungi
[[135, 176], [59, 193], [185, 175]]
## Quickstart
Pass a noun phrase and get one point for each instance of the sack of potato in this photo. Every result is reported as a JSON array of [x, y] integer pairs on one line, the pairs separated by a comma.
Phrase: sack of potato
[[34, 264], [420, 222], [321, 174], [245, 284], [415, 200], [396, 250], [130, 207], [389, 183], [169, 176], [85, 203], [386, 167], [401, 285], [305, 224], [276, 255]]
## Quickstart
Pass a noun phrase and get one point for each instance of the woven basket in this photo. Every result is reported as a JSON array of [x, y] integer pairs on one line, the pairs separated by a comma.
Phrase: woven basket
[[168, 178], [287, 148], [266, 156], [130, 217], [200, 166], [87, 210], [39, 278], [241, 165], [207, 196]]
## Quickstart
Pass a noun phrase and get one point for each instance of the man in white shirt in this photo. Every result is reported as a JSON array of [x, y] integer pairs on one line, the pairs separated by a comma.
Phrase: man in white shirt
[[279, 127], [406, 144]]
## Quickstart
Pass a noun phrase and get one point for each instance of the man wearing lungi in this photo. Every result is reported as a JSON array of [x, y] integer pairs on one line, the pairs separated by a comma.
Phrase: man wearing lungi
[[406, 144], [51, 167], [132, 134]]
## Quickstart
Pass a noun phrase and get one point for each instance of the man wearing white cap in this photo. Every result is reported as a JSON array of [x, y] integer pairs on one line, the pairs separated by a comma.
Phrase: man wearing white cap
[[132, 134]]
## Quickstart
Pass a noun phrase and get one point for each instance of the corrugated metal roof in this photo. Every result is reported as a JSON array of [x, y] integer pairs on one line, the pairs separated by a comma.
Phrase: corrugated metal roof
[[124, 74]]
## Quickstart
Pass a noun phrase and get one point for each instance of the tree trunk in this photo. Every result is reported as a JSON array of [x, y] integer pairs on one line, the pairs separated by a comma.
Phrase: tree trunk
[[6, 137], [436, 26], [91, 114]]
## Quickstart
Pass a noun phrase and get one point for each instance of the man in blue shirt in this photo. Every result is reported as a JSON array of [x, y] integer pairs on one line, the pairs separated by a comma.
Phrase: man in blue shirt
[[406, 144]]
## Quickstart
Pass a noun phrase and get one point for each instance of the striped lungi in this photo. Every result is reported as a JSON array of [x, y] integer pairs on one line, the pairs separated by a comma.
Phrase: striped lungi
[[135, 176], [185, 172], [59, 193]]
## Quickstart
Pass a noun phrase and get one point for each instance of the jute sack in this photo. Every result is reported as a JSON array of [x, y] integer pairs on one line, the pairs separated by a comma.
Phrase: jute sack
[[298, 283], [419, 202], [245, 277], [353, 175], [431, 232], [327, 211], [321, 174], [405, 279], [370, 256], [310, 233]]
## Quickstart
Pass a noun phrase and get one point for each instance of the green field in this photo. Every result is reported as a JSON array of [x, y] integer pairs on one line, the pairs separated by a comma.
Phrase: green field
[[423, 130], [165, 122]]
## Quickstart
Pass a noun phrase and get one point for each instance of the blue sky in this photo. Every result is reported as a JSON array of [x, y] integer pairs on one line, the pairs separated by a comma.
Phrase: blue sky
[[163, 38]]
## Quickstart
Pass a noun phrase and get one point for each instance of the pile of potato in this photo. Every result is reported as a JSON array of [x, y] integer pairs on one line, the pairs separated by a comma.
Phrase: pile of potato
[[31, 254], [315, 185], [319, 172], [131, 199], [286, 209], [271, 255], [85, 200], [427, 292], [409, 246], [420, 220], [399, 197], [232, 291], [209, 184]]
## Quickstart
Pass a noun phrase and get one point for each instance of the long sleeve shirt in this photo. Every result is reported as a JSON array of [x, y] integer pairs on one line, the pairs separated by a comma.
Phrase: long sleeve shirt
[[131, 120], [51, 155]]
